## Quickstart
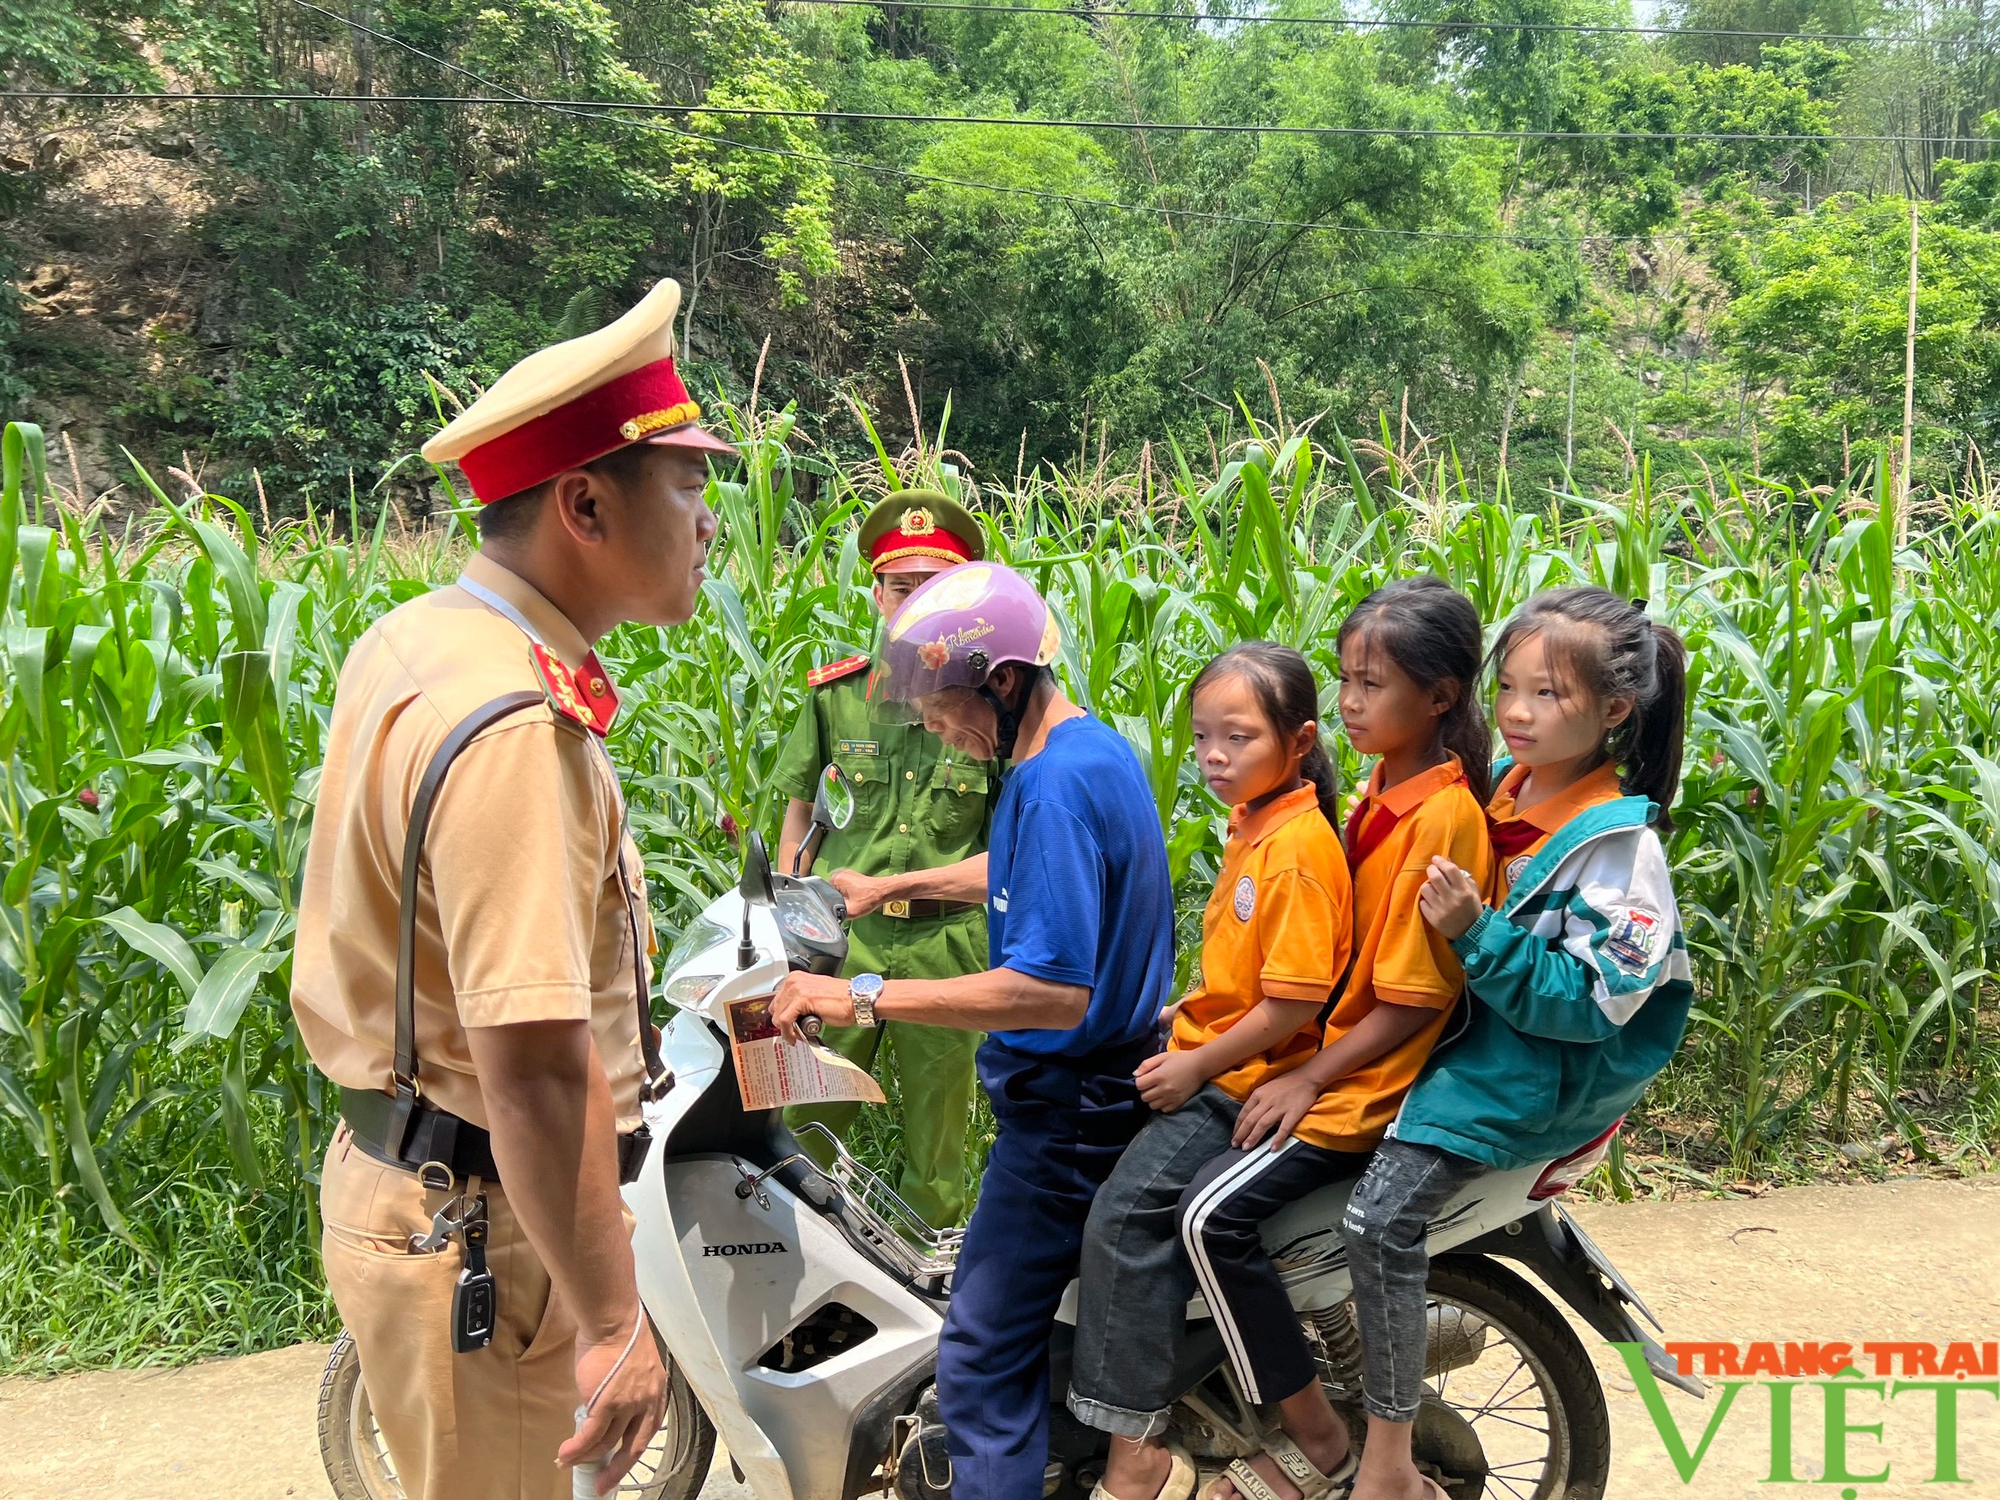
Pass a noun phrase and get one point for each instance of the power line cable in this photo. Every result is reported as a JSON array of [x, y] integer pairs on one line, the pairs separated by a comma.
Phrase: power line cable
[[1072, 200], [596, 110], [1042, 194], [874, 117], [1115, 13]]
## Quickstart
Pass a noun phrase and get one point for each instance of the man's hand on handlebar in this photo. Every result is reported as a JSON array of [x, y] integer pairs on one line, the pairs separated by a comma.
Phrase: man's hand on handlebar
[[802, 995], [863, 893]]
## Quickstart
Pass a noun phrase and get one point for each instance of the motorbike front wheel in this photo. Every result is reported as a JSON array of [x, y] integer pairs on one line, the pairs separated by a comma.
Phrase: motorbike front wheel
[[359, 1467], [1513, 1409]]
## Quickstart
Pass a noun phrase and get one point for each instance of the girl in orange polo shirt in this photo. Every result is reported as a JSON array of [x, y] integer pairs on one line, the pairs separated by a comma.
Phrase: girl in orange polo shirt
[[1409, 695], [1275, 940]]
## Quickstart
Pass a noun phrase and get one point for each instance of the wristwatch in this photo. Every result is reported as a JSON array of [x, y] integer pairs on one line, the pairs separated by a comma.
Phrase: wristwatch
[[864, 990]]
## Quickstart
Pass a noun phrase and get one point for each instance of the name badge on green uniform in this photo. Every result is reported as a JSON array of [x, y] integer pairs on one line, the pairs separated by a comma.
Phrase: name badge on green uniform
[[857, 747]]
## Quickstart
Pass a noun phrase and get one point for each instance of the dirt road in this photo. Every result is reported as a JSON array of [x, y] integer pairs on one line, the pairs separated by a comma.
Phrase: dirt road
[[1899, 1261]]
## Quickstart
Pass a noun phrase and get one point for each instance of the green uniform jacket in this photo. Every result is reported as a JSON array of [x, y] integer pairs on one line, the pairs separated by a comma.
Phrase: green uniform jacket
[[918, 804]]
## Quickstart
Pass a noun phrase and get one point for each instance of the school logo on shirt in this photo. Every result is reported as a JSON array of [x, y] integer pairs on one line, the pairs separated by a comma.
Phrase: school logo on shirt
[[1246, 898], [1000, 901], [1630, 940], [1517, 867]]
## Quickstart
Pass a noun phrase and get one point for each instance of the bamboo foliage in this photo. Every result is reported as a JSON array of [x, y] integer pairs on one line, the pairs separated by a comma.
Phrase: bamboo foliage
[[167, 694]]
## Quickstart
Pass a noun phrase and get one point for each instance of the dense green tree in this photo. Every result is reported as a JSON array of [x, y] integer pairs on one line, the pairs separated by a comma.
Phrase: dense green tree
[[360, 267], [1818, 323]]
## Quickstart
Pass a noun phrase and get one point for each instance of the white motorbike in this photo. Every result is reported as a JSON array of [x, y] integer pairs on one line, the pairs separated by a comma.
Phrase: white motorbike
[[798, 1307]]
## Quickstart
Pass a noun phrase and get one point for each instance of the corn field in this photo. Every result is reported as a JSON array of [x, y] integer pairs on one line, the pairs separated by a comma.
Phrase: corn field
[[168, 684]]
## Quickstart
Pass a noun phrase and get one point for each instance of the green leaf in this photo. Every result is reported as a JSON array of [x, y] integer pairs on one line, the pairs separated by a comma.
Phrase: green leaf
[[236, 1123], [76, 1124], [217, 1003], [250, 710], [158, 941]]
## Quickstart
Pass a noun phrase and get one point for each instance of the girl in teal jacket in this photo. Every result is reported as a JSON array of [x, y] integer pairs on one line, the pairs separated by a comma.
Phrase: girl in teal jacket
[[1578, 973]]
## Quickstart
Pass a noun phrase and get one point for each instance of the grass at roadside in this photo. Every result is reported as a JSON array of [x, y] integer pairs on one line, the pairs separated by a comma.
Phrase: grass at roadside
[[225, 1272]]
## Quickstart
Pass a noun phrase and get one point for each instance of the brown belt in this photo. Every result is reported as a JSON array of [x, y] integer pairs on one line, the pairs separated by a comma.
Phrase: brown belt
[[921, 909]]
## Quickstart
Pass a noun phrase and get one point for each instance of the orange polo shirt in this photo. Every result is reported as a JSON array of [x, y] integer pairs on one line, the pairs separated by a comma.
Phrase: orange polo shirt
[[1399, 958], [1280, 924], [1521, 835]]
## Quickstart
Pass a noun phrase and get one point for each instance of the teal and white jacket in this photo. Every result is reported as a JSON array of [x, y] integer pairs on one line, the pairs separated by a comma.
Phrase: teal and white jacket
[[1579, 988]]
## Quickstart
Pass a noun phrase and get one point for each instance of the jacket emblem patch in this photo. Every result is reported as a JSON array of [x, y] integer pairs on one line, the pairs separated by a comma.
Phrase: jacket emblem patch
[[1630, 940], [1516, 868], [1246, 898]]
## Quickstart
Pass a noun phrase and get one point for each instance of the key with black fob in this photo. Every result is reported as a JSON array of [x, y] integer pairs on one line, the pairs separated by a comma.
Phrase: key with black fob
[[473, 1301]]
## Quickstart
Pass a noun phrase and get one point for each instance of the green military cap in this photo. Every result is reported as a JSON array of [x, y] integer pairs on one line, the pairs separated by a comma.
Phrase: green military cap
[[920, 531]]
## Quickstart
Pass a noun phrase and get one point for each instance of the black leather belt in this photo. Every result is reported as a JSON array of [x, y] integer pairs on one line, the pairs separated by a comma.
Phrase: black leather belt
[[907, 909], [437, 1135]]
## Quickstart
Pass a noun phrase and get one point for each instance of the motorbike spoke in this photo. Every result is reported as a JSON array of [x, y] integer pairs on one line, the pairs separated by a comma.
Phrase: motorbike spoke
[[1496, 1399], [1511, 1486], [1496, 1416]]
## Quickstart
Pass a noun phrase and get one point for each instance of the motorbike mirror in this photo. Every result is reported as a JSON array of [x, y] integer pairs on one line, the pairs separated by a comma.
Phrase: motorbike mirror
[[833, 805], [756, 887]]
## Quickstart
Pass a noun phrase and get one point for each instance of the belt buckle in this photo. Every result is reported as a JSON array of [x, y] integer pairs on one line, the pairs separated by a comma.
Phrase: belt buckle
[[895, 908]]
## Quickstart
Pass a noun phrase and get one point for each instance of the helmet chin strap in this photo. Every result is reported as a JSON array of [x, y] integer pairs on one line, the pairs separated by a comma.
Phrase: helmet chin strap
[[1009, 717]]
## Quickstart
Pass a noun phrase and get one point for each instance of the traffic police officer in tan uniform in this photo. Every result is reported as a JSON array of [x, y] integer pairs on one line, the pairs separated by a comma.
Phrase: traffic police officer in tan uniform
[[493, 1119], [919, 804]]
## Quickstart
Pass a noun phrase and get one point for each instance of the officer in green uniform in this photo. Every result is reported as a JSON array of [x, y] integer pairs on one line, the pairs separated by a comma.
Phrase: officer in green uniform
[[918, 804]]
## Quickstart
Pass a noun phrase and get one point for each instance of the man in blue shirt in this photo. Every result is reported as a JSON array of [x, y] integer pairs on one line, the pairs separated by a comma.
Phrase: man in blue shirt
[[1080, 938]]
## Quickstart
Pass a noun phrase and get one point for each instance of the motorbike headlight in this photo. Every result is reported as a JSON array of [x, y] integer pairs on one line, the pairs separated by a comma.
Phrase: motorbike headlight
[[696, 939], [692, 989]]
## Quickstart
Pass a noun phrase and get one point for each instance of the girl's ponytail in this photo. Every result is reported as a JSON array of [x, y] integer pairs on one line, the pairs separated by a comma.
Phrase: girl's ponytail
[[1655, 733], [1283, 682], [1611, 649], [1432, 633], [1317, 768]]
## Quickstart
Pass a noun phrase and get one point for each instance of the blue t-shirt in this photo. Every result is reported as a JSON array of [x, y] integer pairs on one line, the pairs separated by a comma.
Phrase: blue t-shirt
[[1077, 887]]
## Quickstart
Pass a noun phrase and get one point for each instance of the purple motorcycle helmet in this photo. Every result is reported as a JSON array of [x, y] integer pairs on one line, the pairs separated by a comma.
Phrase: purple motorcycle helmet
[[956, 630]]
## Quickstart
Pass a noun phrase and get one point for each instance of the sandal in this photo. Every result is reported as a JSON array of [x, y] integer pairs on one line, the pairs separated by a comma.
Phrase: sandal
[[1288, 1456], [1180, 1479]]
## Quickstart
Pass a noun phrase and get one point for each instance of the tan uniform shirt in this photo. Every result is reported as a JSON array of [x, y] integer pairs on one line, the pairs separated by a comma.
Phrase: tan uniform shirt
[[521, 912]]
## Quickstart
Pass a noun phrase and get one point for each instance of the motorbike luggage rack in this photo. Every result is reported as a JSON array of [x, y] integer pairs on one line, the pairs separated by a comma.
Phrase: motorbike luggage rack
[[876, 1212]]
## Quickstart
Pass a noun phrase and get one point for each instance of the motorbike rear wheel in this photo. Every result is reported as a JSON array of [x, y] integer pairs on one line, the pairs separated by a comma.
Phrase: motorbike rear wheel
[[359, 1467]]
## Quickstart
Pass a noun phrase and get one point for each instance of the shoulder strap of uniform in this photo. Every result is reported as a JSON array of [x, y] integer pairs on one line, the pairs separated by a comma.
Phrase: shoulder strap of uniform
[[658, 1080], [406, 928], [847, 666]]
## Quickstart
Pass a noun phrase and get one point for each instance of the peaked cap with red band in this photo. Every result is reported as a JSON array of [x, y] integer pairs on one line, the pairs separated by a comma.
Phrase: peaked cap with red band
[[576, 401], [920, 531]]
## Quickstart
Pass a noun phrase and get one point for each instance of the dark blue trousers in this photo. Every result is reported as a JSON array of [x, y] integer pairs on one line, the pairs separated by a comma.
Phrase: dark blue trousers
[[1062, 1123]]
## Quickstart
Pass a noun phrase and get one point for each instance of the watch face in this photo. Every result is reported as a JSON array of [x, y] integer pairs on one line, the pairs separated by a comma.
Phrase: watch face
[[865, 985]]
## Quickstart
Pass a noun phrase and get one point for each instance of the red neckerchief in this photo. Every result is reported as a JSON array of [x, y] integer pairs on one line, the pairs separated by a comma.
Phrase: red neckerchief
[[1515, 836], [1365, 834]]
